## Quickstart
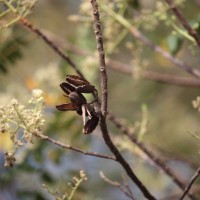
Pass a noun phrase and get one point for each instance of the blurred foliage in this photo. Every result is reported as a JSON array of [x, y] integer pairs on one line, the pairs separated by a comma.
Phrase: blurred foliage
[[12, 10], [161, 115], [174, 44], [12, 42]]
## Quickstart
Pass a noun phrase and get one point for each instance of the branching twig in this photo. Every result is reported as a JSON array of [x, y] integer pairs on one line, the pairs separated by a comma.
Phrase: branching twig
[[158, 161], [195, 190], [146, 74], [125, 68], [54, 41], [102, 122], [118, 185], [137, 34], [127, 186], [184, 22], [155, 76], [30, 26], [103, 125], [169, 156], [65, 146], [196, 175]]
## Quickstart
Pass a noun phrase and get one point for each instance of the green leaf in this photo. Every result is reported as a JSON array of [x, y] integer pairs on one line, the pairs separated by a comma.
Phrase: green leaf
[[174, 44]]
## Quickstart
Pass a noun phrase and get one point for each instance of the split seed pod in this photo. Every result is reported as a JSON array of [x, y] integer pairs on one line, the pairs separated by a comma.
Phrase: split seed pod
[[90, 125]]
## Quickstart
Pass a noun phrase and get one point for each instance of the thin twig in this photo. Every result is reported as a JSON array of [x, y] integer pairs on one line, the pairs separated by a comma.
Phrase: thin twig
[[193, 179], [102, 122], [127, 186], [183, 21], [103, 125], [195, 190], [118, 185], [125, 68], [115, 65], [30, 26], [65, 146], [102, 67], [169, 156], [52, 44], [158, 161], [66, 58], [137, 34], [193, 71], [155, 76]]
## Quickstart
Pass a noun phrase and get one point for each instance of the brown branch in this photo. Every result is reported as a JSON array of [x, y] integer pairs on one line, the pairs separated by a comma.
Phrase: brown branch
[[66, 58], [158, 161], [125, 68], [193, 179], [195, 190], [37, 31], [183, 21], [102, 122], [65, 146], [103, 125], [138, 35], [102, 65], [155, 76], [123, 162], [169, 156], [115, 65]]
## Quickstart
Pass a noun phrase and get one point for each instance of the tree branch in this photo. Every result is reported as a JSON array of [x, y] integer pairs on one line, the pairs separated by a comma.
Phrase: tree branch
[[125, 68], [183, 21], [65, 146], [146, 74], [155, 76], [37, 31], [137, 34], [103, 125], [103, 74], [157, 161], [193, 179], [50, 39]]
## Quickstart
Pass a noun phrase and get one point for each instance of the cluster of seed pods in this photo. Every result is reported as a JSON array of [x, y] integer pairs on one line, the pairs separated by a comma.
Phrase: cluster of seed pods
[[74, 88]]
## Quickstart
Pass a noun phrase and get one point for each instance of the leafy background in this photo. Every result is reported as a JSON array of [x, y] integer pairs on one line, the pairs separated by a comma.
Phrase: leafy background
[[26, 62]]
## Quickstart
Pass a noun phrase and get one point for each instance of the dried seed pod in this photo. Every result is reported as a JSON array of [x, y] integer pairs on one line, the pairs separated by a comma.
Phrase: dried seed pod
[[67, 107], [90, 125], [86, 89], [80, 84], [67, 88], [80, 112], [77, 98], [74, 87], [76, 80]]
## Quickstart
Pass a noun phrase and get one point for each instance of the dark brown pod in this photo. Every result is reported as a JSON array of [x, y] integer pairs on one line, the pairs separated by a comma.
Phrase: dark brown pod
[[76, 80], [90, 125], [86, 89], [67, 88], [67, 107], [80, 84], [77, 98]]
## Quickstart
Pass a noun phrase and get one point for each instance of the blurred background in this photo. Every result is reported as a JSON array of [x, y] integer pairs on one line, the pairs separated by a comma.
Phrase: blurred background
[[162, 115]]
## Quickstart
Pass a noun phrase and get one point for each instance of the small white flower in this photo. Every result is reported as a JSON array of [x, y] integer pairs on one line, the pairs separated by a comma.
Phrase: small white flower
[[37, 93], [14, 102]]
